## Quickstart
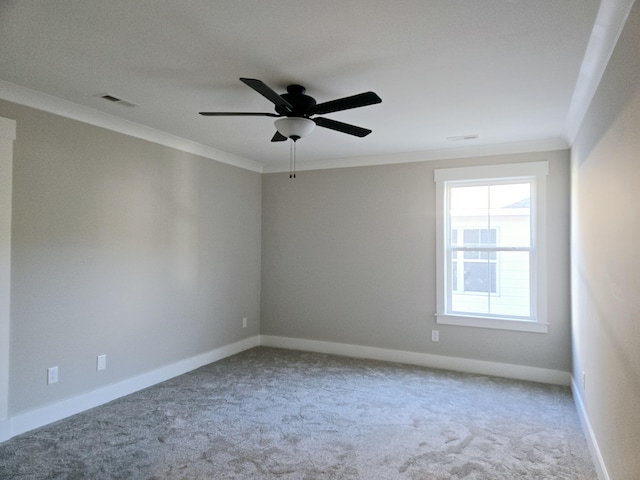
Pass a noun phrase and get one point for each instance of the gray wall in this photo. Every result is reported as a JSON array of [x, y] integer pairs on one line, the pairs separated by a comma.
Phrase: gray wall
[[126, 248], [606, 260], [348, 255]]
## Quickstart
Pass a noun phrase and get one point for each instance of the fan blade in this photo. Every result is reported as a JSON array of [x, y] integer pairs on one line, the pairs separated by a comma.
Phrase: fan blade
[[239, 114], [354, 101], [342, 127], [278, 137], [264, 90]]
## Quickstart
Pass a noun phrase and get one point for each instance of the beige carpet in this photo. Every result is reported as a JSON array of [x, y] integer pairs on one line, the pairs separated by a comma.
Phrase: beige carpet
[[277, 414]]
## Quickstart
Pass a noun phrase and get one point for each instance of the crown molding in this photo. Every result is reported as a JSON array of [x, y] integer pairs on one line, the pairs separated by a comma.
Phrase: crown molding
[[48, 103], [530, 146], [607, 28]]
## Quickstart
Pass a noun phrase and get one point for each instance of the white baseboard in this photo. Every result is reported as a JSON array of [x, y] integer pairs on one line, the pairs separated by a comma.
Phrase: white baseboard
[[42, 416], [5, 430], [594, 449], [51, 413], [519, 372]]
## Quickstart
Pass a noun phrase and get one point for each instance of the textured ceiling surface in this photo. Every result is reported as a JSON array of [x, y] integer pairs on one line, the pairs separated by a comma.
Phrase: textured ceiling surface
[[505, 70]]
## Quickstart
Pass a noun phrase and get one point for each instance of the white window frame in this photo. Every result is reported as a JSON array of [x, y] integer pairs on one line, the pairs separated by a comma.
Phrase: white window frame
[[536, 172]]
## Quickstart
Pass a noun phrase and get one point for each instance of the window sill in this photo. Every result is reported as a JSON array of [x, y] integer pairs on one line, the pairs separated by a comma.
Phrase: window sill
[[495, 323]]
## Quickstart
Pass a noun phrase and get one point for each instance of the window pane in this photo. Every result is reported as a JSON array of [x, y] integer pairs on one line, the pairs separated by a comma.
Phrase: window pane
[[514, 296], [480, 238], [488, 255], [470, 198], [469, 210], [480, 277], [471, 236], [454, 276], [474, 303], [488, 236], [511, 195], [510, 210]]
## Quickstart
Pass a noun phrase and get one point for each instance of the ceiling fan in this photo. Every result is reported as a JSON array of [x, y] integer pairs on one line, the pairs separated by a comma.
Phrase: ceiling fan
[[294, 110]]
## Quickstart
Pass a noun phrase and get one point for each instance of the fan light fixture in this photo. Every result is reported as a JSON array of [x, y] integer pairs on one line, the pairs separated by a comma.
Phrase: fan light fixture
[[295, 127]]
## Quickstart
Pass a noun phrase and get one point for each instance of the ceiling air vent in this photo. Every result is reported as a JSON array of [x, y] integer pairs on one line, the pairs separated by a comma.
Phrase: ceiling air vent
[[472, 136], [113, 99]]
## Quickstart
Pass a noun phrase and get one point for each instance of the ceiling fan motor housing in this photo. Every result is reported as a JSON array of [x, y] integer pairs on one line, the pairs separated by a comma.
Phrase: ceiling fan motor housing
[[296, 97]]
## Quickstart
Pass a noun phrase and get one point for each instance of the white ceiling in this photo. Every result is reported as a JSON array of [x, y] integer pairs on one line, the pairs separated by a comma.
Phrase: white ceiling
[[506, 70]]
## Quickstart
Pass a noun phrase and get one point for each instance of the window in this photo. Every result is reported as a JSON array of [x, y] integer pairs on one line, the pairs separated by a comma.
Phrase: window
[[491, 246]]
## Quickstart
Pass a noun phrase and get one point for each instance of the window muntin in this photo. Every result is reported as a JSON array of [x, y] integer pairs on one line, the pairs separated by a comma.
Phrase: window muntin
[[490, 242]]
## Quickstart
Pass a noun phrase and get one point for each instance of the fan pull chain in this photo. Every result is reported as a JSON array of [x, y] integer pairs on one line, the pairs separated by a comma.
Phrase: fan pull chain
[[292, 157]]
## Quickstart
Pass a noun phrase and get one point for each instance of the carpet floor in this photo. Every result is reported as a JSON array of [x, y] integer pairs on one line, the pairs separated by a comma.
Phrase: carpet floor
[[278, 414]]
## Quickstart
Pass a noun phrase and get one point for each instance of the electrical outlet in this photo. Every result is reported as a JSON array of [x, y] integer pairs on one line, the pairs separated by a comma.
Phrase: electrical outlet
[[102, 362], [244, 322], [52, 375], [435, 335]]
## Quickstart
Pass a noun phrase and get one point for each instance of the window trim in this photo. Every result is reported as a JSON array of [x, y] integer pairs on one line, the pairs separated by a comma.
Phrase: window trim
[[537, 171]]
